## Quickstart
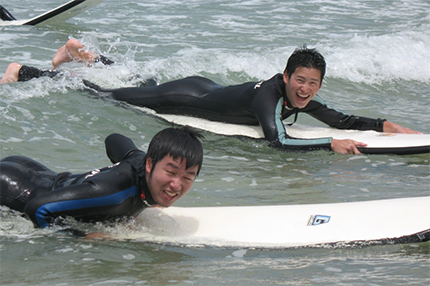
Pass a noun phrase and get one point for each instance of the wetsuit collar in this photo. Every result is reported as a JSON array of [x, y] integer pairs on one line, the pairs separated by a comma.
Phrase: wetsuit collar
[[287, 104], [146, 196]]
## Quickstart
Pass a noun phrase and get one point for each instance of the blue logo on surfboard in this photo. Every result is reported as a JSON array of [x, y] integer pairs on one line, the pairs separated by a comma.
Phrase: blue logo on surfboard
[[318, 219]]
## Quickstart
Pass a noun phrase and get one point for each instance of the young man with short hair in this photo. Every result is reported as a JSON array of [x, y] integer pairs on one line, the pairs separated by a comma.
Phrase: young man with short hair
[[136, 180]]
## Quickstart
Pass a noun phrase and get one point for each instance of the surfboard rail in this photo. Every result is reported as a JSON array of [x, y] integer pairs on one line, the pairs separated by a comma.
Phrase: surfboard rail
[[377, 142], [57, 15]]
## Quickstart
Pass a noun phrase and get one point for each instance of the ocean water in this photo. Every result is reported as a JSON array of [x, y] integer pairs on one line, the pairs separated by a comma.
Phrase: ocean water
[[378, 65]]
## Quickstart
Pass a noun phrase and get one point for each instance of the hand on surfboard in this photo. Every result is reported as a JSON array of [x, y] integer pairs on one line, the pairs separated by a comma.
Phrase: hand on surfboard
[[346, 146], [391, 127]]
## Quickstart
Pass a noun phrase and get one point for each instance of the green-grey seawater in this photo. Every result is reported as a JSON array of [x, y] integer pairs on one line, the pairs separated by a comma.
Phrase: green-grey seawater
[[378, 66]]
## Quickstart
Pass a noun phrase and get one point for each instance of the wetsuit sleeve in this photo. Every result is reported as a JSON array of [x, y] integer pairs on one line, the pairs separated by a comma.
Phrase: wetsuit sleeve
[[274, 131], [44, 210], [318, 109], [104, 194], [118, 147], [87, 202]]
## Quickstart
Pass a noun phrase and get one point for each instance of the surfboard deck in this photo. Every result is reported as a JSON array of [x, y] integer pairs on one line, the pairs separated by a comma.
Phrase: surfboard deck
[[377, 142], [57, 15], [286, 226]]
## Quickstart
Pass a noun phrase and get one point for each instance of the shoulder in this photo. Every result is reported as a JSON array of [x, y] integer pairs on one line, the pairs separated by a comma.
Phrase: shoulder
[[276, 80], [274, 85]]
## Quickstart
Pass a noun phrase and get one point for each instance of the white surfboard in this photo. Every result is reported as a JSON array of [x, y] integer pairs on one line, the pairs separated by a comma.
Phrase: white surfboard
[[403, 220], [377, 142], [57, 15]]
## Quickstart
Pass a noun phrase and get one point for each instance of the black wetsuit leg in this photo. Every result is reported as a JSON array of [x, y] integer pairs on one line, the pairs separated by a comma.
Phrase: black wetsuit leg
[[26, 73], [195, 96], [104, 60], [169, 97], [22, 179]]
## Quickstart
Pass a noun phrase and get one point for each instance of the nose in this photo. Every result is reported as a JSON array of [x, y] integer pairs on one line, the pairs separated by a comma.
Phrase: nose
[[305, 87], [175, 183]]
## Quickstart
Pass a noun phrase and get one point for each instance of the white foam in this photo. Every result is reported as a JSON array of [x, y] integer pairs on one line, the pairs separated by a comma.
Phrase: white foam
[[376, 58]]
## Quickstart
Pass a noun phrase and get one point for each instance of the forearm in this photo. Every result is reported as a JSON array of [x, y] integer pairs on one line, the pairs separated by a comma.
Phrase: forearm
[[340, 120], [274, 131], [355, 123], [44, 210], [302, 145]]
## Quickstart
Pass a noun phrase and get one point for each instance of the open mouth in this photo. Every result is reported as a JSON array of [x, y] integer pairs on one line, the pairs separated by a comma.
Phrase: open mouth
[[302, 97], [169, 195]]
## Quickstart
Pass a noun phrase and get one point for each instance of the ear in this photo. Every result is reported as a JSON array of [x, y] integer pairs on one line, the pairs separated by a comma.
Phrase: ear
[[148, 165], [286, 77]]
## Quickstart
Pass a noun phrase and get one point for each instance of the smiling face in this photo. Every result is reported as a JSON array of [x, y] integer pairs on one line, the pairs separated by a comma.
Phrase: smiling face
[[302, 86], [169, 180]]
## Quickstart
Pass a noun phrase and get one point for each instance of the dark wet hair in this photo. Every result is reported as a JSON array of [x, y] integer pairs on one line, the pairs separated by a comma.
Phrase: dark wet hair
[[307, 58], [181, 143]]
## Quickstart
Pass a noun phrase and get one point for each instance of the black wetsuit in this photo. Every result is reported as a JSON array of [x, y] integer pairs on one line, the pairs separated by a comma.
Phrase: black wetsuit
[[26, 72], [254, 103], [111, 192]]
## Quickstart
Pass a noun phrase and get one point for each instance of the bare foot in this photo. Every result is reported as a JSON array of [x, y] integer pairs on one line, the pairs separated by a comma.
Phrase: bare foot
[[11, 74], [72, 50]]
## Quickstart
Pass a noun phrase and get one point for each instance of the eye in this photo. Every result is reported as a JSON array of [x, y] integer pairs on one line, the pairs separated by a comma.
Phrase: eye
[[189, 178]]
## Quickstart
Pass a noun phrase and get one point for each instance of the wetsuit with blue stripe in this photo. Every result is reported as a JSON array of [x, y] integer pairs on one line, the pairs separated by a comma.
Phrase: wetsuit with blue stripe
[[103, 194], [254, 103]]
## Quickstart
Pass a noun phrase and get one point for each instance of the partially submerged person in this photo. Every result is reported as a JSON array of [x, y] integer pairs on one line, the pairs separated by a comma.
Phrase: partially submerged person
[[136, 180], [71, 51], [266, 103]]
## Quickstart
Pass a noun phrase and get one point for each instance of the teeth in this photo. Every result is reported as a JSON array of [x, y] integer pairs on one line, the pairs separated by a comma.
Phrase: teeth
[[170, 194], [302, 96]]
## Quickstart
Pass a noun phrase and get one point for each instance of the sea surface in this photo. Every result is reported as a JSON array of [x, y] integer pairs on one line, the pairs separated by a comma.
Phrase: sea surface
[[378, 65]]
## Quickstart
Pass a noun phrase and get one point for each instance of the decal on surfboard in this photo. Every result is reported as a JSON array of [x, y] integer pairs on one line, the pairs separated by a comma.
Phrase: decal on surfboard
[[318, 219]]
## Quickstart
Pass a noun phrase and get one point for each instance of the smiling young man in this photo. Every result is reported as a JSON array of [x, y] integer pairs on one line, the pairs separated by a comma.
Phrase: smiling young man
[[266, 103], [135, 181]]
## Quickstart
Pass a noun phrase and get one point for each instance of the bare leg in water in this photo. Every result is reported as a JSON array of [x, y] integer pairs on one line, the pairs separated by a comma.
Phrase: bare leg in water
[[71, 51]]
